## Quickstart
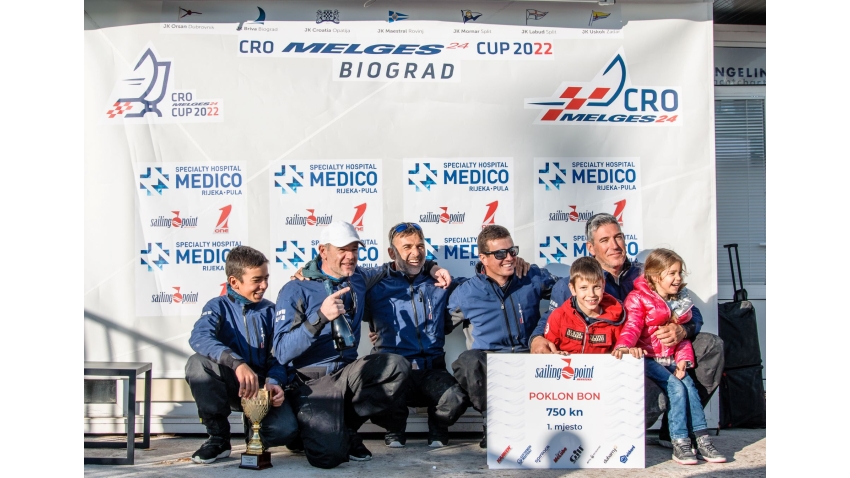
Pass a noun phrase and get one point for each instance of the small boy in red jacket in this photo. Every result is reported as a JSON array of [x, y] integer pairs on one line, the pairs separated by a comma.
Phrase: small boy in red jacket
[[591, 320]]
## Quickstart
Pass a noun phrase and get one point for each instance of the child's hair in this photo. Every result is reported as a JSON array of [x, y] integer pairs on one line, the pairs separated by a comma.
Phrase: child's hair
[[586, 268], [240, 258], [658, 261]]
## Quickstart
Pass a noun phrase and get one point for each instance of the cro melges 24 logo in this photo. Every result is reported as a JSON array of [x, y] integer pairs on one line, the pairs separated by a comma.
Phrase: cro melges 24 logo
[[146, 94], [609, 98]]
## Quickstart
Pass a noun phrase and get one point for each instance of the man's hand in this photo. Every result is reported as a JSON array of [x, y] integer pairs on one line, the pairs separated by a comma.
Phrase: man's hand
[[247, 381], [332, 306], [442, 276], [298, 275], [541, 345], [521, 267], [670, 334], [276, 394], [680, 369], [373, 337]]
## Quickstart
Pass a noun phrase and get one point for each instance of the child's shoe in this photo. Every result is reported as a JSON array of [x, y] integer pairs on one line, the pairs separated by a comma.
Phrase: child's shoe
[[682, 452], [706, 450]]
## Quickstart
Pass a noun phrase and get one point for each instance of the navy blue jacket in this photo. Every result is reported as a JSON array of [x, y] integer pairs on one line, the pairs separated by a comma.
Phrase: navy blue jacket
[[302, 337], [617, 286], [230, 334], [501, 321], [410, 317]]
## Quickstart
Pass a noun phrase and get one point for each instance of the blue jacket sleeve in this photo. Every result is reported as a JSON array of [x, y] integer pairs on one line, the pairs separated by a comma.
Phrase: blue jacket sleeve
[[294, 331], [204, 338], [693, 326], [372, 275], [560, 294]]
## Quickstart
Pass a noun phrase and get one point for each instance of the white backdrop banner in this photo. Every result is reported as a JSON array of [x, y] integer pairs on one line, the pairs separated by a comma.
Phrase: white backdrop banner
[[446, 114]]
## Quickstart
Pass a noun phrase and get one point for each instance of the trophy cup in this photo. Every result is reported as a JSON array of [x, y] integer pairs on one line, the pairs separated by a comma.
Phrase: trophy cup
[[255, 458]]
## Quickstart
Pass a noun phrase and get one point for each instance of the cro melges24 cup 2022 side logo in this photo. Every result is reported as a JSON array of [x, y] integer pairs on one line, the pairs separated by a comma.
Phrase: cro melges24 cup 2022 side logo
[[146, 94], [610, 98]]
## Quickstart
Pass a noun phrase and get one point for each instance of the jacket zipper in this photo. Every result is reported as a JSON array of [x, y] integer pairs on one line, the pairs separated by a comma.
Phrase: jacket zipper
[[416, 318], [505, 312]]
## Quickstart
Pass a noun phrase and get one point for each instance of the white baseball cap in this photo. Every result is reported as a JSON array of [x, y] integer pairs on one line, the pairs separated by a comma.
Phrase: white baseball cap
[[339, 234]]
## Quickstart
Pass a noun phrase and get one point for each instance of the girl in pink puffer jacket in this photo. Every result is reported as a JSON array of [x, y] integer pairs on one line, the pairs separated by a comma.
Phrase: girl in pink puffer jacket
[[659, 298]]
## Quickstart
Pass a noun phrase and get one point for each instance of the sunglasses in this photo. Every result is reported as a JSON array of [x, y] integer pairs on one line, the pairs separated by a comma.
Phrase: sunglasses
[[403, 226], [502, 253]]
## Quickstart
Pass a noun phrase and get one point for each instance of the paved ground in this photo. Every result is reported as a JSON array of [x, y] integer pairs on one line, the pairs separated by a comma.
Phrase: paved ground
[[169, 456]]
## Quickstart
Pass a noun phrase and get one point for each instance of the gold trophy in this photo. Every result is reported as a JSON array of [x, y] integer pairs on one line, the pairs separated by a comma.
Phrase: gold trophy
[[255, 458]]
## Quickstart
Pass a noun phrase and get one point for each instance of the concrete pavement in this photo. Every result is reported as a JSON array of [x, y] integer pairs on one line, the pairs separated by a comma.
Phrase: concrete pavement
[[169, 456]]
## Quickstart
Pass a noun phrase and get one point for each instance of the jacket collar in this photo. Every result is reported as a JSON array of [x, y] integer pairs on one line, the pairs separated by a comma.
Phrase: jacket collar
[[313, 271]]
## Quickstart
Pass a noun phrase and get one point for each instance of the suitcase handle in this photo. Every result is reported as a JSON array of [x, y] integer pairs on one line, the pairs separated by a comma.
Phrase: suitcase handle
[[738, 294]]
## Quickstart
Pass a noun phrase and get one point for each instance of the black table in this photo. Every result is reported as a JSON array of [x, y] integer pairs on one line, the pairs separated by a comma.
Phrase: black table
[[129, 371]]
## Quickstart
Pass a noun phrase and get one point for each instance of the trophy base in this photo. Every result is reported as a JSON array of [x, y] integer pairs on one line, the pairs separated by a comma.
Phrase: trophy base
[[256, 462]]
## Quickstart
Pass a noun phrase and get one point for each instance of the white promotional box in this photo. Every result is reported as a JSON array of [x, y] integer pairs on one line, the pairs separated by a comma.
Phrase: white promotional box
[[554, 411]]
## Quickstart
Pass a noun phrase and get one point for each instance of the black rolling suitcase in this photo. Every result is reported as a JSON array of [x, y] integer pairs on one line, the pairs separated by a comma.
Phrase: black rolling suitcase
[[742, 398]]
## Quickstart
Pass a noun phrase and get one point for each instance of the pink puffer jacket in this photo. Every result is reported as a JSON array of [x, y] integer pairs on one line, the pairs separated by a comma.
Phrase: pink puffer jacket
[[646, 311]]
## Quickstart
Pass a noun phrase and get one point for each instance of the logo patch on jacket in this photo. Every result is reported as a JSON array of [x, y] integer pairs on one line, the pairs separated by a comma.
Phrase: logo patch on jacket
[[574, 334], [599, 338]]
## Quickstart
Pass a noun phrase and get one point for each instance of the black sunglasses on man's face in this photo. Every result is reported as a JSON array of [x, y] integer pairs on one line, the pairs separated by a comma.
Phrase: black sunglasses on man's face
[[502, 253]]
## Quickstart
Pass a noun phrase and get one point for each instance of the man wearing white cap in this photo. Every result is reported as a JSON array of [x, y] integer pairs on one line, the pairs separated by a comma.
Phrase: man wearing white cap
[[332, 391]]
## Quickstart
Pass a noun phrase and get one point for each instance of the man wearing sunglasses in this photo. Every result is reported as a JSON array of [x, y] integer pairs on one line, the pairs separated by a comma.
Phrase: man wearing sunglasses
[[406, 312], [499, 311], [607, 244], [333, 392]]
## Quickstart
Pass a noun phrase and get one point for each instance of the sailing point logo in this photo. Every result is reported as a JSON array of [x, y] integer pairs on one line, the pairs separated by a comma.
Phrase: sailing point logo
[[422, 178], [609, 98], [572, 215], [145, 94], [155, 256], [311, 219], [176, 222], [554, 250], [443, 217], [175, 297], [490, 215]]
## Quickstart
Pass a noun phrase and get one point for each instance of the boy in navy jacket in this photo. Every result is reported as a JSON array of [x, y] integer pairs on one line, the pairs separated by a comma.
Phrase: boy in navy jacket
[[233, 344]]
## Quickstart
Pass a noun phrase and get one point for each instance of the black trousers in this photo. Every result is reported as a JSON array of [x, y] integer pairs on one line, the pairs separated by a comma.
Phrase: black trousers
[[470, 371], [436, 389], [330, 408], [216, 392]]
